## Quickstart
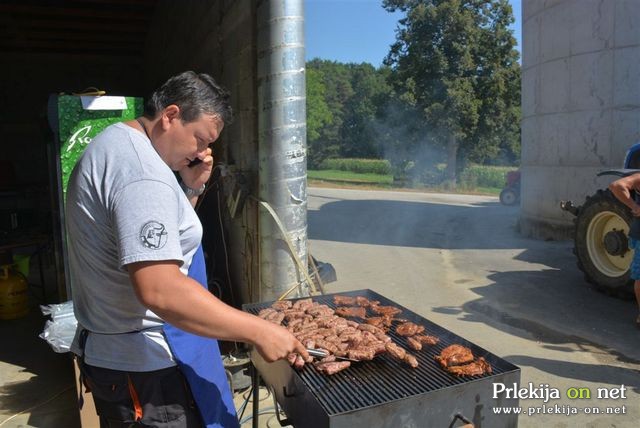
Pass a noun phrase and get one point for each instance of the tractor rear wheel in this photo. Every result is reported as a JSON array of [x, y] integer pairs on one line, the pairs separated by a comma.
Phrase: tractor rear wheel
[[601, 243], [509, 196]]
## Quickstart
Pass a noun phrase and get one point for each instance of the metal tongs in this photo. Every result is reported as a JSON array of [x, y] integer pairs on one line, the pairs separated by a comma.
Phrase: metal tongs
[[319, 353]]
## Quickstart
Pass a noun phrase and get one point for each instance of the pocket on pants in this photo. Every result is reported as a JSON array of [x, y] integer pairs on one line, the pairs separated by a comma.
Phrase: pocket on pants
[[169, 404], [110, 390]]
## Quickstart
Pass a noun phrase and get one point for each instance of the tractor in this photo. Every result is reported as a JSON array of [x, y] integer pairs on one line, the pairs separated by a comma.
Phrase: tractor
[[601, 227], [510, 195]]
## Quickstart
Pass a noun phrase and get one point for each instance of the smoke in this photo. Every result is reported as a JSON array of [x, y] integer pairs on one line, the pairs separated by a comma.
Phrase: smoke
[[415, 152]]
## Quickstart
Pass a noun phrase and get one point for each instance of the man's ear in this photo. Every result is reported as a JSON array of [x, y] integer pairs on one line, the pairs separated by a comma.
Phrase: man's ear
[[169, 114]]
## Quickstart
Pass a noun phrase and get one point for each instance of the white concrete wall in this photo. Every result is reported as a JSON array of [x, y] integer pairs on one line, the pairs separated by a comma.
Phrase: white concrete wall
[[580, 103], [218, 37]]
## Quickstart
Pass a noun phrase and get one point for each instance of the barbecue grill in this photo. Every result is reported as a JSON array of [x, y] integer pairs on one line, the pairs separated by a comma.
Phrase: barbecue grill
[[385, 392]]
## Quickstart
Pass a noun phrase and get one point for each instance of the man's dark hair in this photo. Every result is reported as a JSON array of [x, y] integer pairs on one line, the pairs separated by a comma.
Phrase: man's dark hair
[[195, 94]]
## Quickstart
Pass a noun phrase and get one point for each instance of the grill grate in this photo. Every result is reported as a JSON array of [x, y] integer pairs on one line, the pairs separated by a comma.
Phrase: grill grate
[[385, 379]]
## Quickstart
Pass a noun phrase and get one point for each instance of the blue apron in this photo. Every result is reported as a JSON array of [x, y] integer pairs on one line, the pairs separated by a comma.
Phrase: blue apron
[[200, 361]]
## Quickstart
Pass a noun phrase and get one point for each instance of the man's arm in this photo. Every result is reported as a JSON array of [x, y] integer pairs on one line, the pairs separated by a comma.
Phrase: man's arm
[[181, 301], [622, 189]]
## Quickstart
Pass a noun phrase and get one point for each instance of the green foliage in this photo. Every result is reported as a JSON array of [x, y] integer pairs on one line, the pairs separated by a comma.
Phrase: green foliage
[[318, 113], [354, 95], [484, 176], [373, 166], [454, 62], [336, 176]]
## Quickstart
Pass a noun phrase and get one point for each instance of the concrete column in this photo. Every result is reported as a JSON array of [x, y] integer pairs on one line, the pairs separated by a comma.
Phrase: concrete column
[[580, 103]]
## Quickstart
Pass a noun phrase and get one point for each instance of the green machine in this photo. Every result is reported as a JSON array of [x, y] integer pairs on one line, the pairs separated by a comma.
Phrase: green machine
[[75, 120]]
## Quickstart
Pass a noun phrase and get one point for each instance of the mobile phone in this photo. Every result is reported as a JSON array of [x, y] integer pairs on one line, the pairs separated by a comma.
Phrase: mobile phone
[[195, 162]]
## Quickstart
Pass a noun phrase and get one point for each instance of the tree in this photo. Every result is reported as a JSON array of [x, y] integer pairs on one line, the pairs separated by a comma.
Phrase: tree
[[319, 116], [361, 111], [455, 60], [343, 102]]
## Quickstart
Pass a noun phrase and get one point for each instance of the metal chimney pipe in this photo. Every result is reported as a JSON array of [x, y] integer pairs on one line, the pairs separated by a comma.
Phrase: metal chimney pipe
[[282, 141]]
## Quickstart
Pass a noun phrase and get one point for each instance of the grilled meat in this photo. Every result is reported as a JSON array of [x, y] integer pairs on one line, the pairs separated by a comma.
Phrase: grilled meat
[[303, 304], [414, 344], [395, 350], [454, 355], [281, 305], [332, 367], [476, 368], [386, 310], [409, 329], [344, 300], [266, 312], [365, 303], [361, 354], [320, 310], [352, 311], [427, 340], [275, 317], [411, 360]]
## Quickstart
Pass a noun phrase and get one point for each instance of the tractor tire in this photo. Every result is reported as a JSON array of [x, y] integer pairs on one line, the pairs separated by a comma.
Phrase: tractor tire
[[509, 196], [601, 243]]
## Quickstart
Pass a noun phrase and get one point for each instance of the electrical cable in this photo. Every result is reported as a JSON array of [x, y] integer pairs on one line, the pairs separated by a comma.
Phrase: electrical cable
[[304, 271], [224, 246], [37, 405], [260, 412], [244, 405]]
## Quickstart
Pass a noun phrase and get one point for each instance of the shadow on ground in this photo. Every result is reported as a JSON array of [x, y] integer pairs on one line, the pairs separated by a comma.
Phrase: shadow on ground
[[48, 391], [415, 224]]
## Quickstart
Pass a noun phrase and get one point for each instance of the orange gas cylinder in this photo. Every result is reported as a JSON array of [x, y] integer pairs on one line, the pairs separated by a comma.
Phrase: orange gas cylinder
[[14, 297]]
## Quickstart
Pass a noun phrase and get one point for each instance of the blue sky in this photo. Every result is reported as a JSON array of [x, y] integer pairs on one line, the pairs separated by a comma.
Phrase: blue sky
[[358, 30]]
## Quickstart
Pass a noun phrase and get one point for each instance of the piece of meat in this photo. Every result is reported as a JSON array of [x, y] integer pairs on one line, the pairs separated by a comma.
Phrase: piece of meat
[[292, 314], [395, 350], [427, 339], [322, 310], [379, 347], [351, 311], [309, 343], [328, 359], [475, 368], [299, 363], [414, 344], [454, 355], [333, 339], [333, 367], [365, 303], [375, 321], [276, 318], [385, 310], [303, 304], [291, 324], [409, 329], [344, 300], [361, 354], [383, 337], [266, 312], [411, 360], [370, 328], [323, 344], [281, 305], [308, 325]]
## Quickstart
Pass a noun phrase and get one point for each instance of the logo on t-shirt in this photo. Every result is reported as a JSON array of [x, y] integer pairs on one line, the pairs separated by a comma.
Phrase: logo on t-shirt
[[153, 235]]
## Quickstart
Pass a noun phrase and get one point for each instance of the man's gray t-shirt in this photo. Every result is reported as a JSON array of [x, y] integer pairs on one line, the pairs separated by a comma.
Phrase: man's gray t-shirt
[[124, 205]]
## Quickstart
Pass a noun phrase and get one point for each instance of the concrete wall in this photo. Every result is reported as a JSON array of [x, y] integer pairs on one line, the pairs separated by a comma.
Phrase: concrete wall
[[218, 37], [580, 103]]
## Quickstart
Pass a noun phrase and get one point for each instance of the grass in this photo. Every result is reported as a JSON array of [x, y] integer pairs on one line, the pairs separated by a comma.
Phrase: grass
[[348, 177], [335, 178]]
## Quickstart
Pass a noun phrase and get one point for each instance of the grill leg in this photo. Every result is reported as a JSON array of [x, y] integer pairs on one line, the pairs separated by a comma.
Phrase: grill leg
[[255, 381]]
